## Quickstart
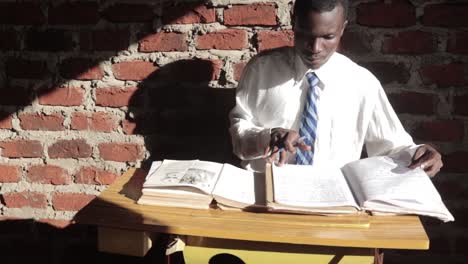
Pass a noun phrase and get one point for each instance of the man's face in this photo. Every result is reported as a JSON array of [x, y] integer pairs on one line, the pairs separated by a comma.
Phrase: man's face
[[317, 36]]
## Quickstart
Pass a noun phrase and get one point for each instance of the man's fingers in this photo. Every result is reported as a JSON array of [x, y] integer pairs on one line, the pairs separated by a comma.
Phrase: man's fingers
[[304, 147], [425, 161], [416, 162], [288, 145], [283, 157], [419, 153]]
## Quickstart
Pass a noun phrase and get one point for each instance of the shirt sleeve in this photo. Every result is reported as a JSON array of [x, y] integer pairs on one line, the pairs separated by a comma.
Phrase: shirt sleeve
[[249, 138], [385, 134]]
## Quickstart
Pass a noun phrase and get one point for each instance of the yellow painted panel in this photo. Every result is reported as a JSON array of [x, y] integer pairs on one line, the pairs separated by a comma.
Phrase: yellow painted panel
[[202, 255]]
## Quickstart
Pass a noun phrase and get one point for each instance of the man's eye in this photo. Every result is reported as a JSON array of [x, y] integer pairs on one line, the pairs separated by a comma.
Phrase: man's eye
[[329, 37]]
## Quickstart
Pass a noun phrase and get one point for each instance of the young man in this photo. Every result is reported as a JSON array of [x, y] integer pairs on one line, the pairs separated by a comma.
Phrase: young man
[[310, 104]]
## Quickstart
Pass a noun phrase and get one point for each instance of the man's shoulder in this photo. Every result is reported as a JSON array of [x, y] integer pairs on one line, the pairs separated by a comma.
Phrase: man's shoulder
[[278, 56], [353, 69]]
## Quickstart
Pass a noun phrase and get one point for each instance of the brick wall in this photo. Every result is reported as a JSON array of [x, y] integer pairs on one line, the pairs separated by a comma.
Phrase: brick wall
[[91, 88]]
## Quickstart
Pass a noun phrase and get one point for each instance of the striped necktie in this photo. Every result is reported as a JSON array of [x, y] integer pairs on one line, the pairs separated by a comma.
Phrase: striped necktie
[[308, 126]]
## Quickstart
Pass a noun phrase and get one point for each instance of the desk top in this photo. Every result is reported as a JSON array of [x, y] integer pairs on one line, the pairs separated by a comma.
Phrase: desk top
[[116, 207]]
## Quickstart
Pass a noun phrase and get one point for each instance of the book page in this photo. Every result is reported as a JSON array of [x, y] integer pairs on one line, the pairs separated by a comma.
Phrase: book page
[[388, 185], [311, 186], [386, 177], [193, 173], [236, 184]]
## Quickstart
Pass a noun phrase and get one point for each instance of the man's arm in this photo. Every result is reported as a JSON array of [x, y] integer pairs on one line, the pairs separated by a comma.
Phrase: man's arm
[[249, 138], [386, 135]]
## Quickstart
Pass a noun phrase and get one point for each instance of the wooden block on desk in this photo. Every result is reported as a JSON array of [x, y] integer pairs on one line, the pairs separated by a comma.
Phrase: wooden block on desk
[[124, 242]]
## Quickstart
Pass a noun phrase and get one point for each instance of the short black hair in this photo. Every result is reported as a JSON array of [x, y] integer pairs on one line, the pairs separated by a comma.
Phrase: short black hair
[[303, 7]]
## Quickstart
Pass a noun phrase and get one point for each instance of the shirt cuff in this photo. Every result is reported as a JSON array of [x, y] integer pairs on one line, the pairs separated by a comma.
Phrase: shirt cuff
[[263, 140]]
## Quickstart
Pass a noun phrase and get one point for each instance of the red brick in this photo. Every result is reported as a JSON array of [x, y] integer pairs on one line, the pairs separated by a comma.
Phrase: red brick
[[63, 96], [250, 15], [410, 42], [133, 70], [388, 72], [355, 42], [441, 130], [413, 103], [164, 41], [81, 69], [227, 39], [70, 201], [460, 104], [453, 74], [398, 13], [77, 13], [455, 162], [29, 69], [238, 69], [446, 15], [38, 121], [48, 174], [5, 120], [99, 40], [21, 14], [122, 152], [129, 127], [98, 121], [49, 40], [56, 223], [195, 71], [21, 149], [9, 40], [458, 42], [25, 199], [9, 173], [128, 13], [114, 96], [188, 14], [75, 148], [90, 175], [269, 39]]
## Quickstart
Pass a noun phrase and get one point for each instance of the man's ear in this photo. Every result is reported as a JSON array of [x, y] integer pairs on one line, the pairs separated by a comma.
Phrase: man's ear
[[344, 26]]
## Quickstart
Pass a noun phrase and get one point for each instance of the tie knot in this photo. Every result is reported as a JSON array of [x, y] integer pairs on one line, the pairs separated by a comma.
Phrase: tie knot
[[312, 78]]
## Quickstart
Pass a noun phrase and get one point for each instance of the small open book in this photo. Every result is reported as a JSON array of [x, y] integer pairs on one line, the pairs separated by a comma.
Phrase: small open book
[[380, 185]]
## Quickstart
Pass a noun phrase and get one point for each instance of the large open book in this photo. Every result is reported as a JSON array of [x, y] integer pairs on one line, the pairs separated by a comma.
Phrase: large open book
[[380, 185]]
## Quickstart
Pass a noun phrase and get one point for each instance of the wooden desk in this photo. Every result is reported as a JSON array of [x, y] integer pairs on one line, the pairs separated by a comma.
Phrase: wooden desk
[[116, 214]]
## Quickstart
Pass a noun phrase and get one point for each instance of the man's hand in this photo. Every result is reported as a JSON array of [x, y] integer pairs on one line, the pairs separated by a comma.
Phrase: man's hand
[[428, 158], [282, 142]]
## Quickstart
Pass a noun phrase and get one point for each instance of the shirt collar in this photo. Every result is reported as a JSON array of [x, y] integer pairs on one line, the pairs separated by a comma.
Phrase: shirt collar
[[324, 73]]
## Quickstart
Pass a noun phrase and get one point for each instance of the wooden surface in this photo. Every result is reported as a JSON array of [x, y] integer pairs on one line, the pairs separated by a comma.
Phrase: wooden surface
[[116, 207]]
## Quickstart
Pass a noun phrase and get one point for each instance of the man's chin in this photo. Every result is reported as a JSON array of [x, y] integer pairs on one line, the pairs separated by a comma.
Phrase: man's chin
[[313, 64]]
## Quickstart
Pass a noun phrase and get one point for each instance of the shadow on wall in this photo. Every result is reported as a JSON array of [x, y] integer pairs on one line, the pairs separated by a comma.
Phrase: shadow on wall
[[180, 116], [174, 108], [23, 79]]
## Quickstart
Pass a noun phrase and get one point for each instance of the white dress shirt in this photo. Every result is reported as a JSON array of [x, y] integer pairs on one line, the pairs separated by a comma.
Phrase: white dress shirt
[[352, 107]]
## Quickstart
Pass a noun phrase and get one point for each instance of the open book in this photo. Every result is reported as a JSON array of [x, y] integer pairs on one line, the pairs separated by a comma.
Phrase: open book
[[381, 185], [195, 183]]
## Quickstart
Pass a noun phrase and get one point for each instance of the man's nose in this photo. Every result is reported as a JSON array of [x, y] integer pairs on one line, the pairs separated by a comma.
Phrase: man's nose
[[315, 45]]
